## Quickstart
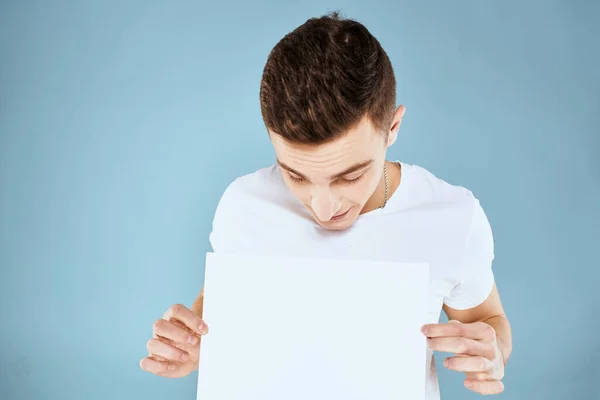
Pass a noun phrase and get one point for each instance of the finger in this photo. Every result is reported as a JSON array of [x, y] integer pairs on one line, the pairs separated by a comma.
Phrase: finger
[[476, 331], [157, 367], [185, 346], [184, 327], [188, 317], [157, 347], [166, 329], [468, 364], [485, 387], [462, 345], [157, 358], [478, 376]]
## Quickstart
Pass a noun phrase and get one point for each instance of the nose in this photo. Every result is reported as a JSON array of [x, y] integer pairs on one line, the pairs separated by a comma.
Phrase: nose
[[324, 203]]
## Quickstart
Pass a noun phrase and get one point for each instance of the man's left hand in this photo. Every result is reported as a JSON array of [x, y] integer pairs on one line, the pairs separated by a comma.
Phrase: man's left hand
[[476, 353]]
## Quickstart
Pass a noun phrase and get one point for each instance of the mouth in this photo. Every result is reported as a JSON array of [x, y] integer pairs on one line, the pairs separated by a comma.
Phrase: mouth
[[341, 216]]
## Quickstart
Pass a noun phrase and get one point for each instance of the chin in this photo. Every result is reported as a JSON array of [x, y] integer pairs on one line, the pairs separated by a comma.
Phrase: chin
[[335, 226]]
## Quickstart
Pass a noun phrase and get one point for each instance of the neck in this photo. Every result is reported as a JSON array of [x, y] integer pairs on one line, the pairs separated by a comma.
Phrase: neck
[[378, 197]]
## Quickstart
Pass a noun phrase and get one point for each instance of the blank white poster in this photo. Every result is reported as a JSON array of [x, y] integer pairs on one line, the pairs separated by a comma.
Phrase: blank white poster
[[319, 329]]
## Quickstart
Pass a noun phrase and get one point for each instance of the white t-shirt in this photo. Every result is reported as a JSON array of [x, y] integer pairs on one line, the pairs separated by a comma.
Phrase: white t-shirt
[[426, 220]]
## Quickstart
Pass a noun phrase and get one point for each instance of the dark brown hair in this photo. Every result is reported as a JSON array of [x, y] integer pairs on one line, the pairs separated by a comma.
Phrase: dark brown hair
[[322, 78]]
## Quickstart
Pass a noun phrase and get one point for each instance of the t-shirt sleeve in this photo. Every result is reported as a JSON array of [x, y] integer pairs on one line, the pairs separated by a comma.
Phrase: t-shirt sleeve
[[223, 235], [230, 230], [477, 278]]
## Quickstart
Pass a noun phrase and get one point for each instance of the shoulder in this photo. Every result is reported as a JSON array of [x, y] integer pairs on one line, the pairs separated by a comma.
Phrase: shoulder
[[428, 189], [452, 209], [434, 190], [437, 200], [249, 205], [248, 187], [259, 192]]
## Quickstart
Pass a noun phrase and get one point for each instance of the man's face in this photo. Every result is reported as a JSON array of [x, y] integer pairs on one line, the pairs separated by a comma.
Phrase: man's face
[[335, 180]]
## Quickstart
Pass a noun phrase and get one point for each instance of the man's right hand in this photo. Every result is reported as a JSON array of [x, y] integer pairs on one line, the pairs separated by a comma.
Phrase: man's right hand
[[174, 349]]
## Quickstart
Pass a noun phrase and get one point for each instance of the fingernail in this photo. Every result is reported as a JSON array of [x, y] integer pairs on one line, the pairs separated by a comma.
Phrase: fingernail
[[185, 357], [424, 329], [171, 367], [202, 327], [446, 362], [469, 384], [192, 340]]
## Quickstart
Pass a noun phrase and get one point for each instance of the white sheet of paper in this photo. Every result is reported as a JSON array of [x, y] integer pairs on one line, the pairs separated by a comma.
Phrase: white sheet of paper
[[319, 329]]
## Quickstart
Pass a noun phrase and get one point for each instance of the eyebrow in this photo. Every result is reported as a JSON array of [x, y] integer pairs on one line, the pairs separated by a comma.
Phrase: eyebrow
[[347, 171]]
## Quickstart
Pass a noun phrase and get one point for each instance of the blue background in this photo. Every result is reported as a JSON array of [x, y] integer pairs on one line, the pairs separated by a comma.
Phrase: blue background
[[122, 122]]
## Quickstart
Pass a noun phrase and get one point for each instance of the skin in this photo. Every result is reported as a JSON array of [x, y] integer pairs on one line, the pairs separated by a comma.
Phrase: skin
[[337, 182]]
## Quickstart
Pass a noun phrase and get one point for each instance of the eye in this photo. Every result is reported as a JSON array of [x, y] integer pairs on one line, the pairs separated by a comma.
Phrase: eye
[[295, 178], [354, 180]]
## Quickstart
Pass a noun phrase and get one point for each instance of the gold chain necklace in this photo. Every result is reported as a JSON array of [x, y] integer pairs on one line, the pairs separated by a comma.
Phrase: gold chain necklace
[[385, 174]]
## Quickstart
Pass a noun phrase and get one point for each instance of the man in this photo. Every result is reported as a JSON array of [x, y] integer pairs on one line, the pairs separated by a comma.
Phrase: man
[[328, 99]]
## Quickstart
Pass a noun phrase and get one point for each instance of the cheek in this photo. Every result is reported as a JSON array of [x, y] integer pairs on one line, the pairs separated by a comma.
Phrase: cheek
[[301, 192], [359, 192]]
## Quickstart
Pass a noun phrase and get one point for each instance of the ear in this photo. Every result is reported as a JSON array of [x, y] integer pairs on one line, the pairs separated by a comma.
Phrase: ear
[[396, 122]]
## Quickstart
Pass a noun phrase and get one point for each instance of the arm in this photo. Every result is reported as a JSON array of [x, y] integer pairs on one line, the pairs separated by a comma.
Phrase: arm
[[478, 332], [480, 338], [492, 313]]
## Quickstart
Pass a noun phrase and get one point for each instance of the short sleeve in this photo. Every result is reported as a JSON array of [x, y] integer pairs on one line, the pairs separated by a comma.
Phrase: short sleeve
[[224, 234], [477, 277]]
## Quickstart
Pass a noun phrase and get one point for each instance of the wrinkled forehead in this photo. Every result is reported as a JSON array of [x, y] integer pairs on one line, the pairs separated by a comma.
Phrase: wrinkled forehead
[[359, 145]]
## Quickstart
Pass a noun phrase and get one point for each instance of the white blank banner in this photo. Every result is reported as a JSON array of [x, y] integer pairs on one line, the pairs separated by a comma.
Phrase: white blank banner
[[312, 329]]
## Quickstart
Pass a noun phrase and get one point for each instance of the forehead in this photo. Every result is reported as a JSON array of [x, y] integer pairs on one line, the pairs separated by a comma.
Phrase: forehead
[[362, 143]]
